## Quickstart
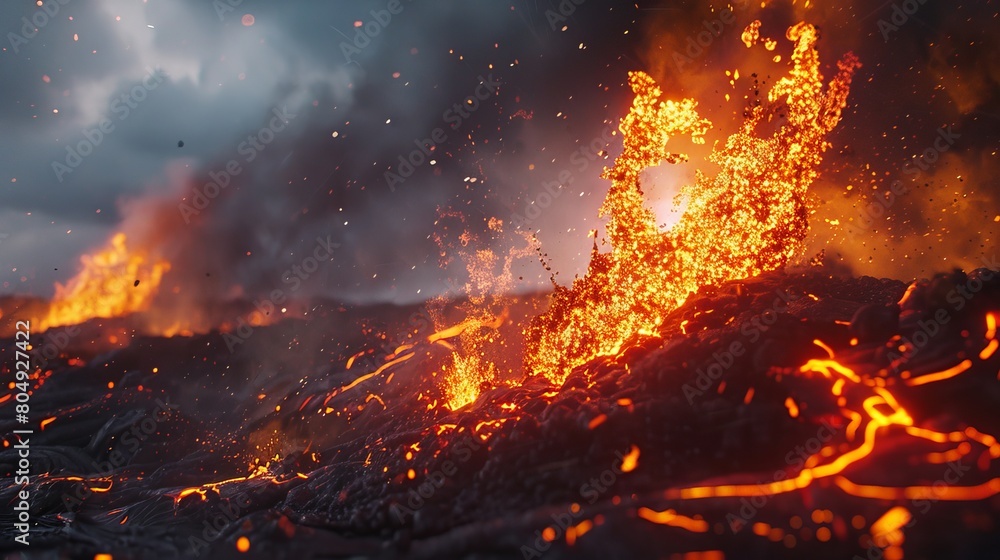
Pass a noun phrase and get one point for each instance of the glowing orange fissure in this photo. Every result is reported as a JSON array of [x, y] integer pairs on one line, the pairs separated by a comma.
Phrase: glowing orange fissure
[[877, 410]]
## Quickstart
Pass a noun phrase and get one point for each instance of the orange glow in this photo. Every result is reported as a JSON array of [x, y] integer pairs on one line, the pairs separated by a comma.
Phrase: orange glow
[[382, 368], [672, 518], [888, 526], [941, 375], [630, 461], [704, 555], [962, 450], [822, 345], [98, 489], [760, 529], [577, 531], [753, 210], [990, 349], [112, 283], [189, 491], [949, 493], [881, 411], [491, 280], [597, 421], [243, 544], [793, 409], [202, 491], [350, 361], [825, 366]]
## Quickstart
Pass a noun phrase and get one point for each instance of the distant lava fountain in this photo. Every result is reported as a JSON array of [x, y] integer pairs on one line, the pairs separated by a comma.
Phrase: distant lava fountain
[[113, 282]]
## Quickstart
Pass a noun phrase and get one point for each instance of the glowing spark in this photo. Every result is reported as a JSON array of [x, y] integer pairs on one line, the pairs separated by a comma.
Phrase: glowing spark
[[672, 518], [631, 460], [828, 350], [941, 375]]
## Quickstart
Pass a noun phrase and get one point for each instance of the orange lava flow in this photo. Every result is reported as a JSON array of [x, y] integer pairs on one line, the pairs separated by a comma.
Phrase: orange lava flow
[[749, 218], [202, 491], [887, 531], [670, 517], [113, 282], [877, 410]]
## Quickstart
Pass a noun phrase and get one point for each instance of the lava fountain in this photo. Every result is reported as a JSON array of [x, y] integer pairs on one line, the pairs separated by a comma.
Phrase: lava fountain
[[113, 282], [748, 218]]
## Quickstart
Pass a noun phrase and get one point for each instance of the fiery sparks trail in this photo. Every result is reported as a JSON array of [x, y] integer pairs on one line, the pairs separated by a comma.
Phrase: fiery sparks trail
[[748, 218], [488, 290], [477, 344], [113, 282]]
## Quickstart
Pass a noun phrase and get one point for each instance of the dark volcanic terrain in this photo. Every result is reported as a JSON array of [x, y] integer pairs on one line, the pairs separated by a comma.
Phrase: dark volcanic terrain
[[178, 447]]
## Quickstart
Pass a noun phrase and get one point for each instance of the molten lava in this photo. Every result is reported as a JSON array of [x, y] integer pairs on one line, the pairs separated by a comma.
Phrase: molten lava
[[749, 218], [112, 283], [490, 282]]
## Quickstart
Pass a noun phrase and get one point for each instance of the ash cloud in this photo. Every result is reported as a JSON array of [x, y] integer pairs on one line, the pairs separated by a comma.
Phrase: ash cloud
[[324, 175]]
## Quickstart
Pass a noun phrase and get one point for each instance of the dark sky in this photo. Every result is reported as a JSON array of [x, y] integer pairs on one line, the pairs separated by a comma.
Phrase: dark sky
[[192, 73]]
